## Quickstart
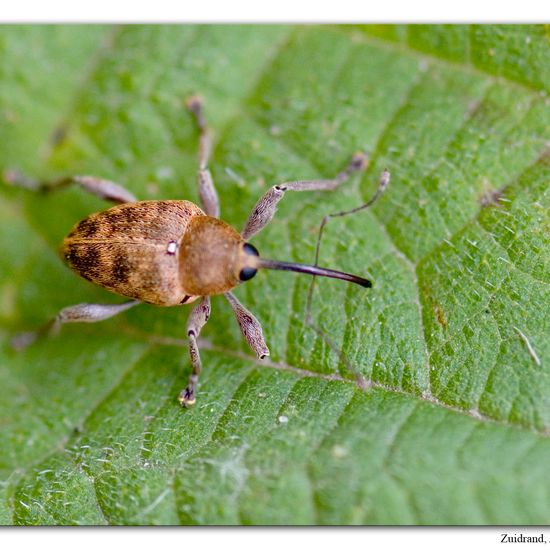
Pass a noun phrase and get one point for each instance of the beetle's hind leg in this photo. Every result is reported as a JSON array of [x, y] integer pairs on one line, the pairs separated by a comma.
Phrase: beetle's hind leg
[[104, 189], [80, 313], [197, 320], [207, 190]]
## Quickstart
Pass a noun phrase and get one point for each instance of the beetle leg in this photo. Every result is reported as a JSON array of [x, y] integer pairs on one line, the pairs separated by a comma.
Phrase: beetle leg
[[207, 190], [197, 320], [266, 207], [250, 327], [80, 313], [104, 189]]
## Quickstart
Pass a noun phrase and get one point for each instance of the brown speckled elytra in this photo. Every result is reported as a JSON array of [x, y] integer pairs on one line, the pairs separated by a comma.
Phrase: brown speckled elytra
[[171, 252]]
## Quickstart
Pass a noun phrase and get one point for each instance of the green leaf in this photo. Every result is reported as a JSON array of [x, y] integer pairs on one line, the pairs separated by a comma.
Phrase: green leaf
[[430, 403]]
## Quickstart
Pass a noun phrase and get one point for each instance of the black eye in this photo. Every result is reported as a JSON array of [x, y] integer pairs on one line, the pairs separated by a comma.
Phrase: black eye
[[247, 273], [250, 250]]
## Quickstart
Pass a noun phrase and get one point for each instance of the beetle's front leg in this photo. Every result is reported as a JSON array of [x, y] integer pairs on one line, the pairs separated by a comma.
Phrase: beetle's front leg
[[266, 207], [197, 320]]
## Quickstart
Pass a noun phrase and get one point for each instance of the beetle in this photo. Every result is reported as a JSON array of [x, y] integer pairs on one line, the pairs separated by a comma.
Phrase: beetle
[[173, 252]]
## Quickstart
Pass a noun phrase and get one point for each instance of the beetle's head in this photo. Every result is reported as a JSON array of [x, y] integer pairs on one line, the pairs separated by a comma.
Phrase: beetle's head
[[214, 258]]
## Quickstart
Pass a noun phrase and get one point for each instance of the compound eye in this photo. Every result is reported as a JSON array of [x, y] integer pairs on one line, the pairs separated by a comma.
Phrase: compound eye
[[247, 273], [250, 250]]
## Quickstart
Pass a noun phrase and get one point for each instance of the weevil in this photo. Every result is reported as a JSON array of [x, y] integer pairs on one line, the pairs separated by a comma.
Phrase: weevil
[[173, 252]]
